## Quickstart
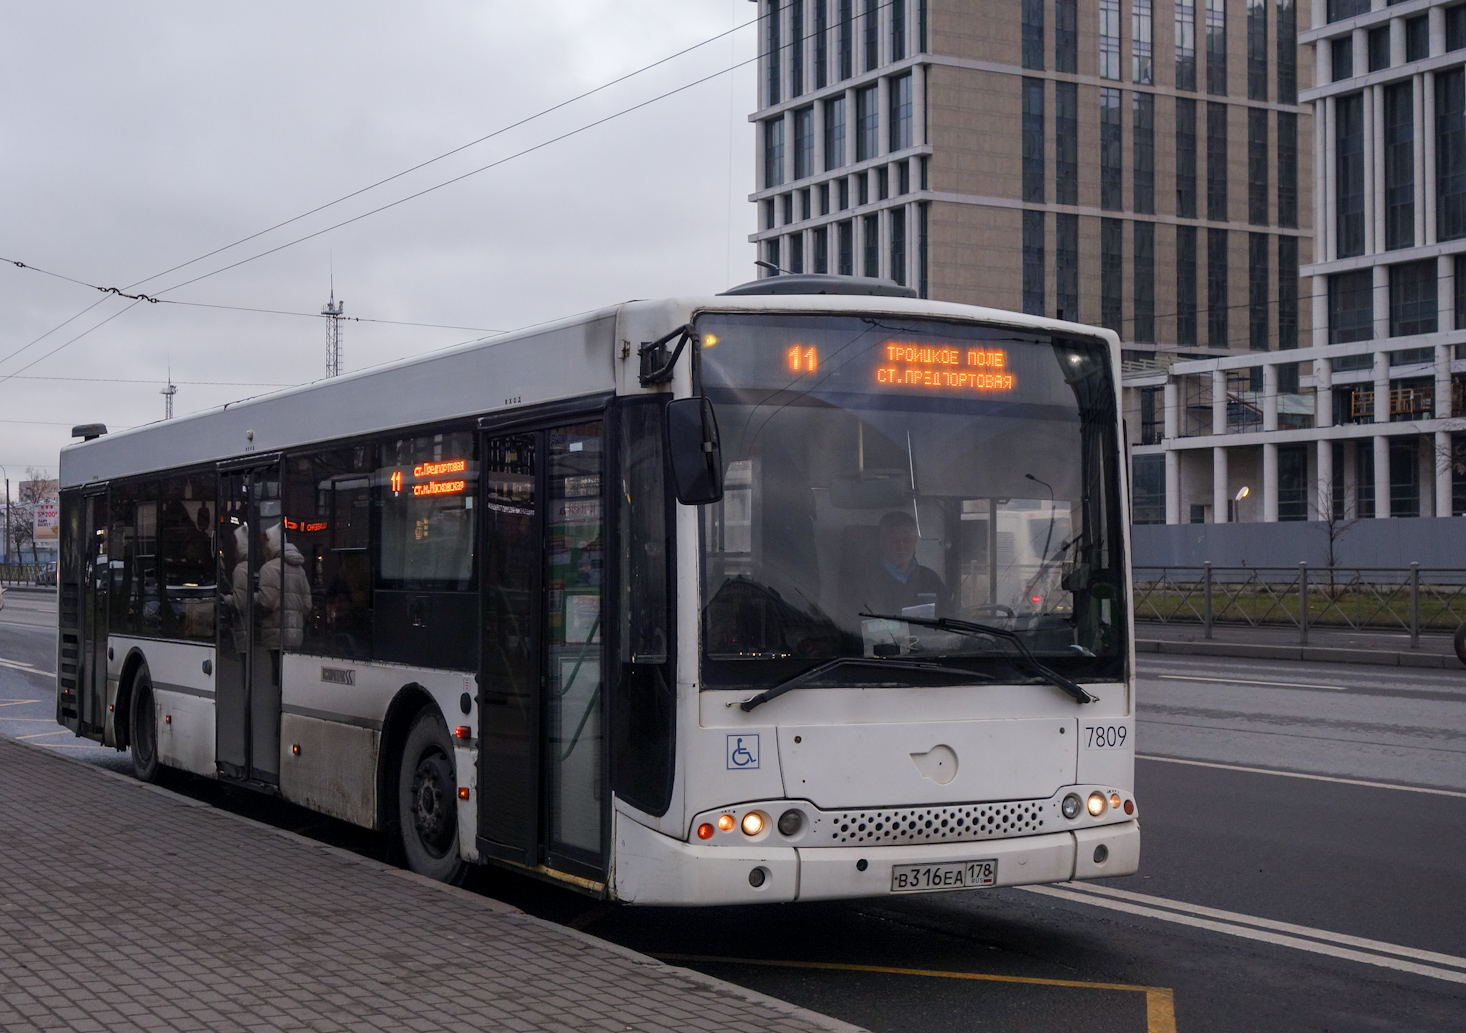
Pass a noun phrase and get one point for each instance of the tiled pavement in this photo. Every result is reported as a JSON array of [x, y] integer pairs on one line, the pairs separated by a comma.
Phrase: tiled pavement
[[127, 907]]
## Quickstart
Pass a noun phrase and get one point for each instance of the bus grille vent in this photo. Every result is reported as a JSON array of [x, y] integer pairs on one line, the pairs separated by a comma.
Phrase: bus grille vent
[[956, 824]]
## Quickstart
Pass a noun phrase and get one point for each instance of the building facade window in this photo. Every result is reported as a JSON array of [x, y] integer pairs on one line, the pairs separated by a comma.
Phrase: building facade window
[[1216, 161], [1216, 288], [1033, 34], [1186, 285], [871, 231], [774, 152], [1351, 306], [1257, 166], [1257, 49], [1142, 158], [1349, 174], [845, 237], [1066, 143], [1341, 58], [1066, 266], [1185, 45], [1287, 292], [898, 29], [922, 213], [1413, 305], [1456, 27], [1292, 482], [821, 35], [796, 253], [774, 52], [1216, 47], [1258, 285], [1142, 277], [1288, 169], [796, 47], [1033, 263], [901, 119], [820, 241], [804, 143], [872, 34], [1399, 124], [1148, 499], [1141, 68], [1417, 38], [1450, 153], [1379, 48], [1066, 35], [1033, 140], [1112, 185], [834, 133], [1112, 274], [898, 245], [1287, 62], [867, 123], [1459, 268], [1338, 10], [1185, 158], [1109, 39], [847, 39], [771, 253]]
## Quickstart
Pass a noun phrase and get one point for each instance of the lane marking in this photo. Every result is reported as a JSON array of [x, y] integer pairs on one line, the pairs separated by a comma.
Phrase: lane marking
[[1160, 1006], [1250, 681], [42, 735], [17, 702], [16, 665], [1299, 774], [1247, 932]]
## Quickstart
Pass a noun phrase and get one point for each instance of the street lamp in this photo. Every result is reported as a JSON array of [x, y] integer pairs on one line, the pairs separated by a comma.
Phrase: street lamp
[[7, 514], [1242, 493]]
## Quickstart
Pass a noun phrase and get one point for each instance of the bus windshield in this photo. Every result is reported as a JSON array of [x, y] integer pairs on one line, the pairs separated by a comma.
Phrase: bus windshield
[[880, 468]]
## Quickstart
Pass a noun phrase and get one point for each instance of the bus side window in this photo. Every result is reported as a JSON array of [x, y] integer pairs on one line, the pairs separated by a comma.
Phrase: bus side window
[[644, 729], [328, 519]]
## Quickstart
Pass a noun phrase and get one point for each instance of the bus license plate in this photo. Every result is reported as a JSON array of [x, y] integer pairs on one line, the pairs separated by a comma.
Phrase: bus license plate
[[961, 875]]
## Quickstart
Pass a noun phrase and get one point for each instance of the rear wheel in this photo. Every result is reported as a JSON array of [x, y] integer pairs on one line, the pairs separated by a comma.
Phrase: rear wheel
[[427, 801], [1461, 643], [142, 724]]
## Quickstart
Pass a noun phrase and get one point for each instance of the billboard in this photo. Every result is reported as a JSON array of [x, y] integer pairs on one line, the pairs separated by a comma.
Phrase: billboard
[[47, 520]]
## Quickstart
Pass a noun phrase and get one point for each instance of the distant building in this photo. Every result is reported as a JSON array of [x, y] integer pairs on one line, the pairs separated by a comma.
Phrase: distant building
[[1137, 164]]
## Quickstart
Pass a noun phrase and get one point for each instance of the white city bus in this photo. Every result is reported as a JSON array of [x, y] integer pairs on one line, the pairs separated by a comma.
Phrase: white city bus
[[808, 590]]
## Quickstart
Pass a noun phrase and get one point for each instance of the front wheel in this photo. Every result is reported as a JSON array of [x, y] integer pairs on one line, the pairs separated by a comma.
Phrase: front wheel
[[142, 724], [427, 801], [1461, 643]]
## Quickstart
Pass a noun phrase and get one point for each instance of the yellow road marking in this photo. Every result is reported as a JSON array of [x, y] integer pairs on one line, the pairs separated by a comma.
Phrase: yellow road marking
[[1160, 1005]]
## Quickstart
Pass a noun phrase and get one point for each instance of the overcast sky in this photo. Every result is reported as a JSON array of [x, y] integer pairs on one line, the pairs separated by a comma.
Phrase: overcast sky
[[134, 137]]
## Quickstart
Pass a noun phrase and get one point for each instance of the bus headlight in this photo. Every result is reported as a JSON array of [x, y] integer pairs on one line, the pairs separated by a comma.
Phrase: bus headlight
[[1070, 806], [790, 822], [753, 823], [1097, 804]]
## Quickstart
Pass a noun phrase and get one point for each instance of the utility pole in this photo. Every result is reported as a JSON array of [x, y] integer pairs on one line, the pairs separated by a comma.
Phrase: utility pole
[[332, 312]]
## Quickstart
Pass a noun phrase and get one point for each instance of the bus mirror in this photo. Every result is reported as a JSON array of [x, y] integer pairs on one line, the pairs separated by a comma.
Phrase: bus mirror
[[692, 443]]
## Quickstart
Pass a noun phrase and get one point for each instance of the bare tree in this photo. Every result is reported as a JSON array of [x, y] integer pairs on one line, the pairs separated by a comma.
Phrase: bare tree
[[1335, 521], [22, 515]]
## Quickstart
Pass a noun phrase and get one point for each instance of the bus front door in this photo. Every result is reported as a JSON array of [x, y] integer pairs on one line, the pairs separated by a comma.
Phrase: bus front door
[[542, 761], [247, 665]]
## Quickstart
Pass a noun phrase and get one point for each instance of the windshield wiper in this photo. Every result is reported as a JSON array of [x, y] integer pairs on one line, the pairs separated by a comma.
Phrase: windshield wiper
[[1073, 688], [887, 663]]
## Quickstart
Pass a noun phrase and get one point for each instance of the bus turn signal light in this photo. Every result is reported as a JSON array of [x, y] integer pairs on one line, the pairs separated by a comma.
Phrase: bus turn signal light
[[463, 732], [463, 792], [1097, 803], [1115, 800], [704, 831], [725, 822]]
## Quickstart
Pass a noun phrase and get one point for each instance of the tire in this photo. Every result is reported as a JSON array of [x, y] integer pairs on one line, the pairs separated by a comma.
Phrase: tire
[[427, 801], [1461, 643], [142, 727]]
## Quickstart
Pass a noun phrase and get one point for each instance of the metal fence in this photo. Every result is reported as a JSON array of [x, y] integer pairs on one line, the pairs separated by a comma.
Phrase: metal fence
[[1412, 600], [27, 573]]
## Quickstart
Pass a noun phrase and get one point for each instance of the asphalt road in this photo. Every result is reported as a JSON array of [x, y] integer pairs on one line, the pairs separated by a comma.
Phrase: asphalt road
[[1321, 892]]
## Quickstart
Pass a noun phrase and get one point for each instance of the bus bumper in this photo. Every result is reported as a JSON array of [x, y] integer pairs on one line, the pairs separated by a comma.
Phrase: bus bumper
[[651, 868]]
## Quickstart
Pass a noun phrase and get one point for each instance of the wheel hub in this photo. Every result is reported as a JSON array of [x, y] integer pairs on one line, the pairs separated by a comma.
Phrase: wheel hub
[[432, 805]]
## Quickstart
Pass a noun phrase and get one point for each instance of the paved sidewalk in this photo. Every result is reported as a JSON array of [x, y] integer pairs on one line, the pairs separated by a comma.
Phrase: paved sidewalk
[[1325, 645], [127, 907]]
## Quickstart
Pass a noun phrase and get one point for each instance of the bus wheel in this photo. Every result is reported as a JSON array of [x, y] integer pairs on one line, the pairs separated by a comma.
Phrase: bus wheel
[[1461, 643], [142, 724], [427, 801]]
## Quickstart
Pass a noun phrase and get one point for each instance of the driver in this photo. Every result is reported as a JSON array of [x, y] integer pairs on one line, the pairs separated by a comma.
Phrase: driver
[[898, 581]]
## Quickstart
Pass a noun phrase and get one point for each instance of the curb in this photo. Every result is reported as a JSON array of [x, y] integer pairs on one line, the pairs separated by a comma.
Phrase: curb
[[467, 898], [1313, 654]]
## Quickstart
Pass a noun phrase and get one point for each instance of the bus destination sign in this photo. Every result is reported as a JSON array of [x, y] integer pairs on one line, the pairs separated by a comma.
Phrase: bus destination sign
[[942, 367]]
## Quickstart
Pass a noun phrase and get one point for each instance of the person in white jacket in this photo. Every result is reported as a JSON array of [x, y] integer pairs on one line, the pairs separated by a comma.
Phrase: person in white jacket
[[284, 594]]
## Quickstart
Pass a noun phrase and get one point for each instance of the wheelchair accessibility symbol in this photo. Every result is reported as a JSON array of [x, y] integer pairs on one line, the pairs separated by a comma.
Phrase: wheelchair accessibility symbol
[[742, 752]]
